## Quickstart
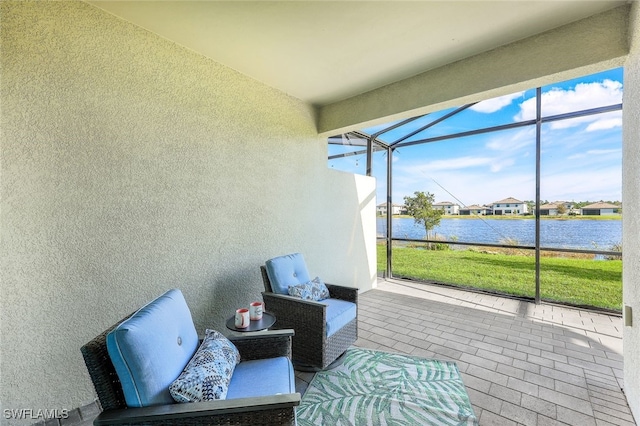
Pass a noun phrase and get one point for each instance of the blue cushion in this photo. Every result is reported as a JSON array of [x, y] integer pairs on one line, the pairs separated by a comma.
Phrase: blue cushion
[[285, 271], [206, 377], [339, 314], [151, 348], [313, 290], [262, 377]]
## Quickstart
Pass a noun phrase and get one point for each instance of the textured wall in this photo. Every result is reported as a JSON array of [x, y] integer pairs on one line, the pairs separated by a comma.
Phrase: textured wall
[[131, 165], [631, 222]]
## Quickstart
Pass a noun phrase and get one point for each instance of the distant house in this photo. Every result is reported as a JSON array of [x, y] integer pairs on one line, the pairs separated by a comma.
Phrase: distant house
[[552, 209], [448, 207], [599, 209], [475, 210], [509, 206], [381, 209]]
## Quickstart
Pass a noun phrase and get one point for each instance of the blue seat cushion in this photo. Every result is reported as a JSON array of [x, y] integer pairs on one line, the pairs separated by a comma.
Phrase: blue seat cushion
[[150, 349], [284, 271], [339, 314], [262, 377]]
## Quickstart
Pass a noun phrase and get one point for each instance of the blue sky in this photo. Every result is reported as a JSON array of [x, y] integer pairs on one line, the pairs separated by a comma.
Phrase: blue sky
[[580, 158]]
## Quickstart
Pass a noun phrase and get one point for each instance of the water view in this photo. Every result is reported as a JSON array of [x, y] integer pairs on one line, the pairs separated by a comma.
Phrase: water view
[[576, 234]]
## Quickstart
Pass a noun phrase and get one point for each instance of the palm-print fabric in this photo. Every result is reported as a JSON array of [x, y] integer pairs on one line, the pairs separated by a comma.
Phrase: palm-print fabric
[[380, 388]]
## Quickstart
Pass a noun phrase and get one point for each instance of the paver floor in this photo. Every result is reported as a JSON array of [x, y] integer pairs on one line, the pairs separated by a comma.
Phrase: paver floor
[[522, 364]]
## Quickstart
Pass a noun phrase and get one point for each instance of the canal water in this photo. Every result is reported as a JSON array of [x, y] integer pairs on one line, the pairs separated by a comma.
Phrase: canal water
[[568, 233]]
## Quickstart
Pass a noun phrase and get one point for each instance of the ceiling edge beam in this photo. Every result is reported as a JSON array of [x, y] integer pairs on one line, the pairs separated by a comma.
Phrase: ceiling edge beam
[[587, 46]]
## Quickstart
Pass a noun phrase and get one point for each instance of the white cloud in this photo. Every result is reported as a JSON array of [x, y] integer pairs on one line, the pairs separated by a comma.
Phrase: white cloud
[[498, 165], [595, 152], [467, 188], [584, 185], [604, 151], [455, 163], [601, 152], [595, 122], [504, 142], [492, 105], [605, 124], [494, 169], [481, 188], [583, 96]]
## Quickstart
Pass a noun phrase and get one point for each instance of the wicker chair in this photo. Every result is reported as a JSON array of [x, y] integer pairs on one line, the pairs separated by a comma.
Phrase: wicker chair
[[312, 349], [268, 410]]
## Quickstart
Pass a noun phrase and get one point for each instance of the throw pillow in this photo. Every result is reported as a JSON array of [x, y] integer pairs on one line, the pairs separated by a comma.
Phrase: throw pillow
[[312, 290], [206, 377]]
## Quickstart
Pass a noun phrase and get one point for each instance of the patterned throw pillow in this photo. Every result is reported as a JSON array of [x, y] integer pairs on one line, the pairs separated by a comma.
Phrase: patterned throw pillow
[[312, 290], [206, 377]]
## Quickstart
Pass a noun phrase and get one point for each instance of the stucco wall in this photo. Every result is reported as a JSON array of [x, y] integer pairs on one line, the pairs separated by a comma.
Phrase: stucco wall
[[631, 222], [131, 165]]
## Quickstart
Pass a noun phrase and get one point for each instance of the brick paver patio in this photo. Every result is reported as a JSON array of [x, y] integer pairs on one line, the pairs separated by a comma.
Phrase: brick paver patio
[[522, 364]]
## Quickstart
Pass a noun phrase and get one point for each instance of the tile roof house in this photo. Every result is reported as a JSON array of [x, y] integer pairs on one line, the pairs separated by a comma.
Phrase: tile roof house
[[509, 206], [475, 209], [448, 207], [599, 209], [550, 209], [381, 209]]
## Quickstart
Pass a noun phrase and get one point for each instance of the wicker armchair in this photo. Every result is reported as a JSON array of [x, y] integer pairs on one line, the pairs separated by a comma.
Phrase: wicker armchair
[[268, 410], [312, 348]]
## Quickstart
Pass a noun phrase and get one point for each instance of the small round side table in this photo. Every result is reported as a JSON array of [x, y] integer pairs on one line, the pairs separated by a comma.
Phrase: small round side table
[[268, 319]]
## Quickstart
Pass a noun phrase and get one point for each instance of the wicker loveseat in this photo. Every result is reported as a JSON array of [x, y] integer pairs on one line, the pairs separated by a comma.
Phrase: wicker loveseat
[[264, 403], [324, 329]]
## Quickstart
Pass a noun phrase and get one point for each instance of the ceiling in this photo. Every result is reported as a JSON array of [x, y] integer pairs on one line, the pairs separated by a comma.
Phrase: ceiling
[[325, 51]]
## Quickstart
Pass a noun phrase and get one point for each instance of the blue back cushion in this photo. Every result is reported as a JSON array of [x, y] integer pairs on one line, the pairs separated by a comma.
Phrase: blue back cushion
[[285, 271], [151, 348]]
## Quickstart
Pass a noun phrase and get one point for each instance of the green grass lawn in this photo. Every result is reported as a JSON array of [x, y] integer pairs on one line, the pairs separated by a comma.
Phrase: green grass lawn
[[596, 283]]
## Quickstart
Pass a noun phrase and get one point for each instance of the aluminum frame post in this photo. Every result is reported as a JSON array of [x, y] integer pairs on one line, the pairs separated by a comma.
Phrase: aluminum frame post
[[389, 272], [369, 155], [538, 143]]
